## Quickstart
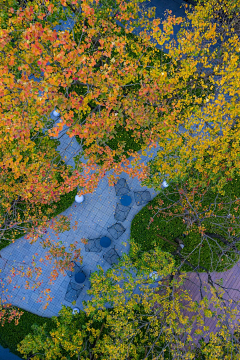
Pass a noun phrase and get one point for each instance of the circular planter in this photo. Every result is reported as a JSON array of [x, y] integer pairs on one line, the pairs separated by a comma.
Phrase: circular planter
[[79, 199]]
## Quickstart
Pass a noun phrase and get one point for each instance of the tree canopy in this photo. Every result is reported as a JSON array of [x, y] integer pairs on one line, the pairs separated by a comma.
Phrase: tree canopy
[[91, 75], [135, 316], [102, 78]]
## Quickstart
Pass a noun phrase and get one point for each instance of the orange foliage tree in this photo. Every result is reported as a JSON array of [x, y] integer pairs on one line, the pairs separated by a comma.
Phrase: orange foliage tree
[[114, 70]]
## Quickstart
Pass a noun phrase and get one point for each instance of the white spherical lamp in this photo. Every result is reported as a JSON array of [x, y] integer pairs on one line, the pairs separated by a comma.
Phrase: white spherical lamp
[[164, 184], [154, 275], [56, 113], [79, 199], [75, 311]]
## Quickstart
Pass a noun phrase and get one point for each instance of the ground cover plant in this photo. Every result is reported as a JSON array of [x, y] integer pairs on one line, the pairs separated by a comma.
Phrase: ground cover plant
[[11, 334], [205, 222]]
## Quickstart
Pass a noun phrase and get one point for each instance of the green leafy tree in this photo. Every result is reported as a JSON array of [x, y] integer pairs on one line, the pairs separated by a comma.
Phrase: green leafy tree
[[142, 317], [68, 338]]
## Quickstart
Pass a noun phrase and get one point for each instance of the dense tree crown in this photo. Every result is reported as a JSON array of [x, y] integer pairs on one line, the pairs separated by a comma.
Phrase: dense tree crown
[[134, 316], [92, 74]]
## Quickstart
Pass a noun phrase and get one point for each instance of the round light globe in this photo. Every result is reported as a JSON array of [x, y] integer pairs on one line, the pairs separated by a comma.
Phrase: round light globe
[[153, 275], [75, 311], [55, 113], [164, 184], [79, 199]]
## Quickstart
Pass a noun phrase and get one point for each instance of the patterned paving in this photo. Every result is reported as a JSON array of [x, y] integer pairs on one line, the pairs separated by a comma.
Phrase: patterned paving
[[94, 216]]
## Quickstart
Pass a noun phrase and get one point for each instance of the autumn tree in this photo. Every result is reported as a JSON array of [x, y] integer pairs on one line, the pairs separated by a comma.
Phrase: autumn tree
[[31, 174], [200, 228], [208, 138], [86, 129], [31, 168], [118, 77], [138, 317]]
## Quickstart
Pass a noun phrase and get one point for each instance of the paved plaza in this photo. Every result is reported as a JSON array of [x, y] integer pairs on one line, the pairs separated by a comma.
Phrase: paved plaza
[[94, 216]]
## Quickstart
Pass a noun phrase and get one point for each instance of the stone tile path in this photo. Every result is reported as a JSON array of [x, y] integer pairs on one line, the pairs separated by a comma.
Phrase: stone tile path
[[94, 215]]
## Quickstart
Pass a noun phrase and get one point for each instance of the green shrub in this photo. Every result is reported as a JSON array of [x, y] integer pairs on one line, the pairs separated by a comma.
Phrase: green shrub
[[11, 334], [170, 227], [148, 238]]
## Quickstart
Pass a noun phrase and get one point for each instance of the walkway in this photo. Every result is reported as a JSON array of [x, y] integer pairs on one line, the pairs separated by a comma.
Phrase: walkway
[[5, 354]]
